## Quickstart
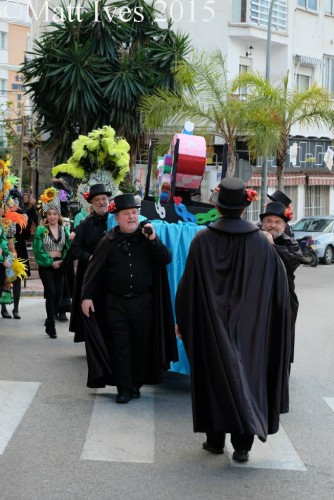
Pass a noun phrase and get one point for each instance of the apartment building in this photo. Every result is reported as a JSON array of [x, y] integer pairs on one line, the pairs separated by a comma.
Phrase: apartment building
[[302, 42], [15, 40]]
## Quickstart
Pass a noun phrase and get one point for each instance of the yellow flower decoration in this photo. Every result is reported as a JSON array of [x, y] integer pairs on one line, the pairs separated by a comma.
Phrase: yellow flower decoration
[[48, 195]]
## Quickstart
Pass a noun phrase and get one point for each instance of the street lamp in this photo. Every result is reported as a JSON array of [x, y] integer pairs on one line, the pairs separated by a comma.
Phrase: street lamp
[[264, 187]]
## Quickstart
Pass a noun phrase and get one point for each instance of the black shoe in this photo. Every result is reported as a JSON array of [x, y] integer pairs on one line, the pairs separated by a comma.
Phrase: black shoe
[[50, 329], [211, 449], [5, 314], [135, 393], [16, 314], [123, 398], [61, 317], [240, 455]]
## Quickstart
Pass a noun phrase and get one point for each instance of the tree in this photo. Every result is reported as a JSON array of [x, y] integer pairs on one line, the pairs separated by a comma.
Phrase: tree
[[87, 73], [282, 107]]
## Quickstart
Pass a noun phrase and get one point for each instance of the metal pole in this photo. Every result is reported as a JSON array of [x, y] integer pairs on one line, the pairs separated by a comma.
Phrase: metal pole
[[264, 187]]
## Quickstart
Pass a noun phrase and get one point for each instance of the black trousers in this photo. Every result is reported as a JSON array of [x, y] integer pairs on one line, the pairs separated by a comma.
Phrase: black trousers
[[129, 327], [240, 442], [52, 280]]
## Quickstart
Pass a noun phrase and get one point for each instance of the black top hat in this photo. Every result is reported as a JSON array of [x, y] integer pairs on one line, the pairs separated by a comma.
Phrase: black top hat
[[123, 202], [231, 194], [275, 208], [96, 190], [280, 197]]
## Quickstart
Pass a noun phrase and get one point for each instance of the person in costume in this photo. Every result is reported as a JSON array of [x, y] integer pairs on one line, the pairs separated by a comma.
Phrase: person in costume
[[51, 244], [233, 313], [88, 234], [4, 252], [17, 235], [138, 340], [273, 223]]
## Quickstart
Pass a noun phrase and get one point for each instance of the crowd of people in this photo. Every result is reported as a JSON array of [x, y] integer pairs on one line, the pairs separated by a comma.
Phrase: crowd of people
[[235, 305]]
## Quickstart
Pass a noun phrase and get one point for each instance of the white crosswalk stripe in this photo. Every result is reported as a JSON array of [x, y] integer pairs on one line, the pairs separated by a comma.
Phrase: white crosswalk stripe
[[15, 398], [276, 453], [121, 433], [330, 402]]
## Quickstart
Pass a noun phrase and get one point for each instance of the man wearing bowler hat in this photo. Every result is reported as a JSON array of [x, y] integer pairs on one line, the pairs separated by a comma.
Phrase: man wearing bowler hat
[[89, 233], [135, 341], [273, 223], [281, 197], [233, 314]]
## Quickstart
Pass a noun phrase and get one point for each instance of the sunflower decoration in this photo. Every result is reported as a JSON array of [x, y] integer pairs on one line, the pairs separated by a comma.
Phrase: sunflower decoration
[[49, 199], [100, 156]]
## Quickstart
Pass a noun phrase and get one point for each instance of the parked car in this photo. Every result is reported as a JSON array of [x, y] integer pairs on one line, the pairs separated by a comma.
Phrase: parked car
[[321, 228]]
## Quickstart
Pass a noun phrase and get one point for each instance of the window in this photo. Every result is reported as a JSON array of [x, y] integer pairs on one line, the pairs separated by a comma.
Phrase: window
[[329, 6], [259, 13], [303, 78], [3, 40], [243, 68], [316, 200], [239, 11], [3, 86], [328, 75], [308, 4]]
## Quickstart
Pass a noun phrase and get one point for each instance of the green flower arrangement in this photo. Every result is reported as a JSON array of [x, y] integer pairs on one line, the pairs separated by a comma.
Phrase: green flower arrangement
[[99, 150]]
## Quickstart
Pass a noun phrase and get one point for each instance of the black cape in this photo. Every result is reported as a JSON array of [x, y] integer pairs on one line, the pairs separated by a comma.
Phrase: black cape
[[233, 312], [88, 235], [163, 342]]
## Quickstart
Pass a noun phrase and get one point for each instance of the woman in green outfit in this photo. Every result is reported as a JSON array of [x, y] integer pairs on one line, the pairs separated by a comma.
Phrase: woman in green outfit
[[51, 244]]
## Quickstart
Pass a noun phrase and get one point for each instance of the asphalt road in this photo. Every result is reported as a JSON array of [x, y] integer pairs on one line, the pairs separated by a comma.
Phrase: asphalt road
[[61, 440]]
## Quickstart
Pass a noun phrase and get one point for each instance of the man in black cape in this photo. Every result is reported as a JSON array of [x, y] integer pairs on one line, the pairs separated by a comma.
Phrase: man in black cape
[[233, 313], [88, 235], [135, 341], [273, 222]]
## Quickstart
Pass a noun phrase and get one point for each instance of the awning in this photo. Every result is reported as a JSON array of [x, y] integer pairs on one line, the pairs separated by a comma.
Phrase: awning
[[322, 179], [314, 61], [290, 179]]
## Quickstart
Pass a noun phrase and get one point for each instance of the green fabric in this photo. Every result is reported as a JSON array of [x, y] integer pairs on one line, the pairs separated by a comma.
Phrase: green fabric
[[3, 245], [42, 257]]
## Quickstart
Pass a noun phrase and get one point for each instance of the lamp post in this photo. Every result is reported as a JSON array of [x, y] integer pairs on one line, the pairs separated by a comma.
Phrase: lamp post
[[264, 187]]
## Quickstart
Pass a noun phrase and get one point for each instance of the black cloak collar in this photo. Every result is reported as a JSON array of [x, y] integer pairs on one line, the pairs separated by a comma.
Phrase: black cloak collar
[[233, 225]]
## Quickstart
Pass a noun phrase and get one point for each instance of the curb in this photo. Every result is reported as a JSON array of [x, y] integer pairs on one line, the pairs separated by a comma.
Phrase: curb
[[31, 293]]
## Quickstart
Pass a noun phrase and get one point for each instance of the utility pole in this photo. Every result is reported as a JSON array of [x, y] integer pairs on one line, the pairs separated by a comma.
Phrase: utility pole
[[264, 187]]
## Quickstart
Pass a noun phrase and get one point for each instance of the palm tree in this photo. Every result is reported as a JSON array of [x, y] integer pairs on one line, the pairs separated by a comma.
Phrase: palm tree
[[85, 74], [282, 107], [206, 98]]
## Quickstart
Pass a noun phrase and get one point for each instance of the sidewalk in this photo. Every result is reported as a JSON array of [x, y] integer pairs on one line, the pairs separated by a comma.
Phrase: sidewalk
[[33, 288]]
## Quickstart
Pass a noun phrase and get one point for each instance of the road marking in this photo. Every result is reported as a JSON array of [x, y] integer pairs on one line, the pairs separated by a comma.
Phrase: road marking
[[121, 433], [15, 398], [277, 453], [330, 402]]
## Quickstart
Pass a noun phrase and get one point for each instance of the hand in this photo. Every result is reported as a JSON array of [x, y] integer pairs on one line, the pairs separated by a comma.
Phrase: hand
[[269, 236], [6, 264], [87, 306], [56, 264], [72, 236], [151, 227], [177, 331]]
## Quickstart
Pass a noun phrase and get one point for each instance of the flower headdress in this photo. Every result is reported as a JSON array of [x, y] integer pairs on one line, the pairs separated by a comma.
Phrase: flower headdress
[[49, 199], [251, 195], [288, 213], [99, 157]]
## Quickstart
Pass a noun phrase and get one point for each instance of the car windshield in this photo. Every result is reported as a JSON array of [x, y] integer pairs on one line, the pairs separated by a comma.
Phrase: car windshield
[[314, 225]]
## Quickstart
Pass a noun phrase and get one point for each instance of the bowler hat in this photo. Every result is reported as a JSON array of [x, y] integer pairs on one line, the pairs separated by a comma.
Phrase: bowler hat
[[281, 197], [97, 189], [231, 194], [123, 202], [275, 208]]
